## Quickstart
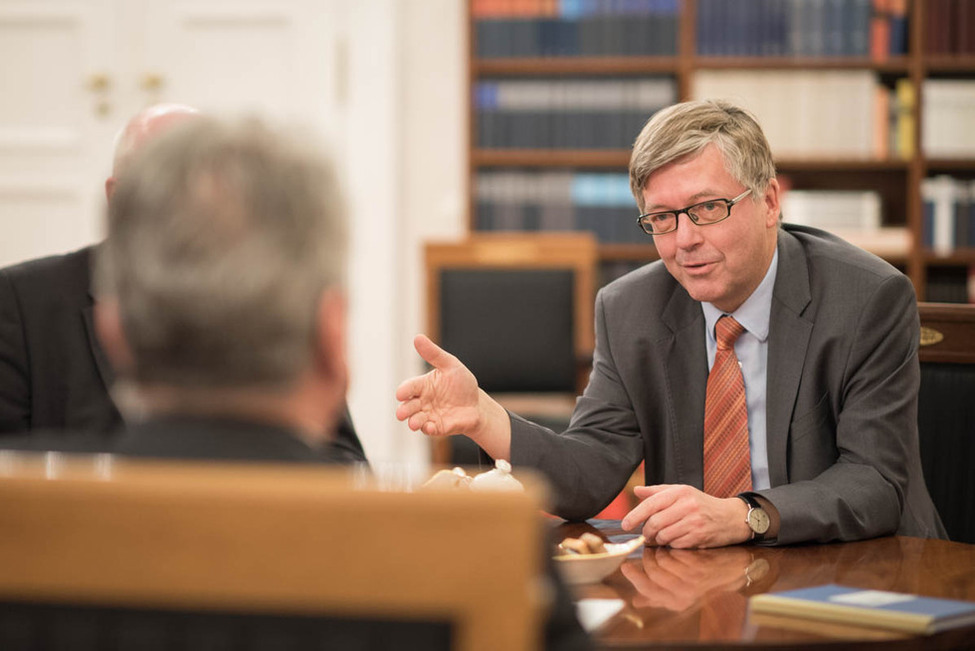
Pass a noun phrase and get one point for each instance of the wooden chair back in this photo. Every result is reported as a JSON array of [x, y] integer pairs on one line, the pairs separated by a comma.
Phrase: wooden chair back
[[518, 310], [281, 540]]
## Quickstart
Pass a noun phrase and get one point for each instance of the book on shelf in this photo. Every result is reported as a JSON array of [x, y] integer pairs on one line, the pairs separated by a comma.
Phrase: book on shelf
[[830, 209], [808, 113], [558, 201], [567, 114], [852, 215], [948, 116], [952, 284], [802, 28], [950, 27], [574, 28], [904, 122], [870, 608], [948, 213]]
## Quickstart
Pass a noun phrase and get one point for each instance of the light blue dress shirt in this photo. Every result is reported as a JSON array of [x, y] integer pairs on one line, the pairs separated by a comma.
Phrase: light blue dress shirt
[[752, 351]]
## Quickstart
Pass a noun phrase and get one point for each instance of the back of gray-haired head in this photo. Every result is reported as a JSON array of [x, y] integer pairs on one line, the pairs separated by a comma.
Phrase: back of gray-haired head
[[222, 237], [685, 129]]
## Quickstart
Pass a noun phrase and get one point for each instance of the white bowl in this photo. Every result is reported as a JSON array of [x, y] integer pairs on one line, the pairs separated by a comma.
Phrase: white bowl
[[578, 569]]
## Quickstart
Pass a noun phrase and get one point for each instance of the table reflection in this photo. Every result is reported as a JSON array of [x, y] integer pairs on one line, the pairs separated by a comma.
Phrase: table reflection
[[681, 597]]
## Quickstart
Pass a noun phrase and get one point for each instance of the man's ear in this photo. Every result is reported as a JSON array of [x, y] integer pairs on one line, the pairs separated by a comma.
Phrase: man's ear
[[109, 187], [108, 328], [330, 357], [772, 204]]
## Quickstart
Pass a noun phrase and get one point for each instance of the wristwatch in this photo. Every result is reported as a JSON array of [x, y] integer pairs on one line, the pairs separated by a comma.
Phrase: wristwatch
[[757, 519]]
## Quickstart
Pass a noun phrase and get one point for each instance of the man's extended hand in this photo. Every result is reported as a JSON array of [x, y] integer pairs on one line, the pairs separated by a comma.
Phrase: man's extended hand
[[447, 401], [682, 516], [443, 401]]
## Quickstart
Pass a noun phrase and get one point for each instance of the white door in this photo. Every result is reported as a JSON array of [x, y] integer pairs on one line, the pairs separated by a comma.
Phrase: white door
[[72, 73], [53, 58]]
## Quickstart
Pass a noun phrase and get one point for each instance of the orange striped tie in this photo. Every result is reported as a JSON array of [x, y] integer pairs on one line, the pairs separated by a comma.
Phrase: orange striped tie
[[727, 461]]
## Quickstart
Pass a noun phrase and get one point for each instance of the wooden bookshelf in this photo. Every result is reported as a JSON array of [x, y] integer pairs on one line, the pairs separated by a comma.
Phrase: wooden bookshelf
[[897, 180]]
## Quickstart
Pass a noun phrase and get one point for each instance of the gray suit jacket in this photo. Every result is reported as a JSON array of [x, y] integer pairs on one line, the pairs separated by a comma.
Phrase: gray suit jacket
[[842, 397]]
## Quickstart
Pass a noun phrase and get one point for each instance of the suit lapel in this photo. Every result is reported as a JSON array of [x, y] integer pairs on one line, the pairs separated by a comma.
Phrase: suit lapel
[[789, 336], [687, 373], [101, 360]]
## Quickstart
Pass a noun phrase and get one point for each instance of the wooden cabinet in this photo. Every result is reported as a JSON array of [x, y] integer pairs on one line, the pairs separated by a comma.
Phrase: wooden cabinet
[[559, 29]]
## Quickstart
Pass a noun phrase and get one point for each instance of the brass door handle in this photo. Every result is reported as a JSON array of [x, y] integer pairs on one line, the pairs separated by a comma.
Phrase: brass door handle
[[152, 81], [98, 82]]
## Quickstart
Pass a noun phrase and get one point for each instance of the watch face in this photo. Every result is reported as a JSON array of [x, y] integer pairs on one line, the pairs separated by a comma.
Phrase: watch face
[[758, 520]]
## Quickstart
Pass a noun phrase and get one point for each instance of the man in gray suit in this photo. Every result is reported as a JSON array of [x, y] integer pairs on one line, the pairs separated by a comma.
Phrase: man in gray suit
[[828, 357]]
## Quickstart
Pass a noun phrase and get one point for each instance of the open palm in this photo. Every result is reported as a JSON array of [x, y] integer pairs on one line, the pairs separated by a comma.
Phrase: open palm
[[443, 401]]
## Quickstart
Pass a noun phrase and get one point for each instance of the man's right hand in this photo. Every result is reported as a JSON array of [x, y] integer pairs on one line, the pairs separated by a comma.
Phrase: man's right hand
[[447, 401]]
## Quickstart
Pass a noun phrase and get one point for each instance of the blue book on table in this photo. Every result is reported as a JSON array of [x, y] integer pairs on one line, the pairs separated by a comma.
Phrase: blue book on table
[[872, 608]]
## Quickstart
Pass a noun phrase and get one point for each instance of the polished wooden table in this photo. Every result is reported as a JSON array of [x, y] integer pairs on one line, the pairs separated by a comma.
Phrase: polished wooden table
[[699, 598]]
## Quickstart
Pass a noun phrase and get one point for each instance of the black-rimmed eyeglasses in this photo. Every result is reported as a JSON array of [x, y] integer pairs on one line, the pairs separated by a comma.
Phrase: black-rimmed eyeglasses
[[702, 214]]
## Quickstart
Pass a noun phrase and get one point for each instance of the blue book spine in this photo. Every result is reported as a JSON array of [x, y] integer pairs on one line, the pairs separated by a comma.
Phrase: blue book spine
[[898, 35], [927, 223], [705, 8]]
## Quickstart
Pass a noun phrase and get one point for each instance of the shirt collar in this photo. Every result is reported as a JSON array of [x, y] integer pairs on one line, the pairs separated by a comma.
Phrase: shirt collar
[[754, 313]]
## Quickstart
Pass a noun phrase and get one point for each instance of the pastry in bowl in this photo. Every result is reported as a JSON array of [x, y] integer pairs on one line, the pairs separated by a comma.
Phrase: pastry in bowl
[[588, 559]]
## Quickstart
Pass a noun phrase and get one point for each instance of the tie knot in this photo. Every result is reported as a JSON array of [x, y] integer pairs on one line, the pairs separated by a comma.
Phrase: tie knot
[[727, 331]]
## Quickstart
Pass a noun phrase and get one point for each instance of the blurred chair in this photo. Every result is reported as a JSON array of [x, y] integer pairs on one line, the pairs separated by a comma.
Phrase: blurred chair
[[125, 555], [517, 309], [946, 413]]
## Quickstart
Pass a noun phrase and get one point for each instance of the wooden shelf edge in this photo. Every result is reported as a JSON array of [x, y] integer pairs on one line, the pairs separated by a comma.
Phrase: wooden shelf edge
[[615, 158], [959, 257], [575, 65], [628, 252], [620, 158], [947, 63], [842, 164], [953, 164], [892, 65], [629, 65]]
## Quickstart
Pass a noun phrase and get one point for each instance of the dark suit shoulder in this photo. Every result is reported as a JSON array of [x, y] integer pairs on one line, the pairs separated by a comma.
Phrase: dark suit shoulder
[[823, 249], [651, 278], [839, 273], [52, 279]]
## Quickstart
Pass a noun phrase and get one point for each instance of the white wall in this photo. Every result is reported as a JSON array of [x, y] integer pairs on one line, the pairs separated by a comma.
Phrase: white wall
[[433, 162], [407, 74], [406, 167]]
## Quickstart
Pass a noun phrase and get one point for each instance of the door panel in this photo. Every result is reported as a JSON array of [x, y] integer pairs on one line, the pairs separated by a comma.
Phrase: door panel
[[55, 82]]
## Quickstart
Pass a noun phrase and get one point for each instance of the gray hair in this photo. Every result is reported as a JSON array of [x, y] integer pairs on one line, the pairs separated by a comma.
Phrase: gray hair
[[685, 129], [222, 237]]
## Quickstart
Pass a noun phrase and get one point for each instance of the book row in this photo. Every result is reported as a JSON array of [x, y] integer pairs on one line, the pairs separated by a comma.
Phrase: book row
[[949, 27], [554, 114], [559, 201], [579, 28], [948, 118], [794, 28], [853, 215], [821, 113], [948, 218], [950, 285], [802, 28], [832, 209], [603, 204]]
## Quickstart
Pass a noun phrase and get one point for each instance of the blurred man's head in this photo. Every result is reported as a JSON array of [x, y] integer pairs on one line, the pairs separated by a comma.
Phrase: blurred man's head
[[140, 130], [220, 284]]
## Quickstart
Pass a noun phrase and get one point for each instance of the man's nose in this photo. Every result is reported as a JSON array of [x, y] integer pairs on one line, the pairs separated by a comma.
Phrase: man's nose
[[688, 233]]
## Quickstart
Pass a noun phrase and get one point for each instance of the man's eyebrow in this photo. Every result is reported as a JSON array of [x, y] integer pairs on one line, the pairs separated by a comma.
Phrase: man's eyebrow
[[697, 197]]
